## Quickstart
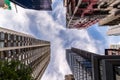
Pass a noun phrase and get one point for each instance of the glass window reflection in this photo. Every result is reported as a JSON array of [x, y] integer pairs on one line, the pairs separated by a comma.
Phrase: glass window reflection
[[2, 36], [1, 44]]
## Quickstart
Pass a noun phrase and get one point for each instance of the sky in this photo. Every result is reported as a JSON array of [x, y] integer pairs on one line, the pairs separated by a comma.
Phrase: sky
[[50, 26]]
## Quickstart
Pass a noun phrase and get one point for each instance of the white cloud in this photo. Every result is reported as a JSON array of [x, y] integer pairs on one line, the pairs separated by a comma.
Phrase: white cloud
[[44, 26], [16, 21]]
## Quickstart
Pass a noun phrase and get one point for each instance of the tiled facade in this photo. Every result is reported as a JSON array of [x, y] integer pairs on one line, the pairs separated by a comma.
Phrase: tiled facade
[[24, 47]]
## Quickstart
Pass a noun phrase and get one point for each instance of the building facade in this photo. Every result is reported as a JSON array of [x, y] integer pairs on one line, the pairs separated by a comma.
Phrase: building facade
[[83, 13], [113, 50], [114, 30], [90, 66], [114, 13], [34, 4], [25, 48], [115, 46], [69, 77], [80, 67], [113, 18]]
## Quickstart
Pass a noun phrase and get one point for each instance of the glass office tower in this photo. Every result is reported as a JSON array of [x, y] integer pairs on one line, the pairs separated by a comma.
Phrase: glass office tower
[[25, 48], [80, 66], [90, 66], [34, 4]]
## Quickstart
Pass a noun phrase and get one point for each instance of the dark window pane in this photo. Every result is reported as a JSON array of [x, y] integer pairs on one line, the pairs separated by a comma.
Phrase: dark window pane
[[1, 44], [34, 4], [2, 36]]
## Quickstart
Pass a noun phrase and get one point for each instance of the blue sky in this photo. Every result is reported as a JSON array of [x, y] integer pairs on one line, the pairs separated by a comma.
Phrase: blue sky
[[50, 26]]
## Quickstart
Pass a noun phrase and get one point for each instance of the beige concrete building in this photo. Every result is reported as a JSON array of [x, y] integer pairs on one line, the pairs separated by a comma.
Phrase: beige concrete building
[[114, 13], [114, 49], [115, 46], [23, 47], [82, 14], [113, 19], [114, 30]]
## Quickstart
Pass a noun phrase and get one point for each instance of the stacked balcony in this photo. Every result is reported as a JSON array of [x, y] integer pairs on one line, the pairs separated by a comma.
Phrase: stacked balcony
[[84, 13]]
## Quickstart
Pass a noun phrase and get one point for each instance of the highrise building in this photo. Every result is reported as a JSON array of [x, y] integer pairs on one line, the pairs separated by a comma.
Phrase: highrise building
[[114, 30], [90, 66], [80, 67], [113, 50], [34, 4], [84, 13], [69, 77], [25, 48], [114, 17], [115, 46]]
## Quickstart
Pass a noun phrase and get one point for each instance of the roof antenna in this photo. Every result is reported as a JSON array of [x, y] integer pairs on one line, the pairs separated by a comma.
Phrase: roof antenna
[[16, 8]]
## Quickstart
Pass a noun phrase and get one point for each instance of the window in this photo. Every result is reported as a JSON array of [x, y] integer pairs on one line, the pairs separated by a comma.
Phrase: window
[[22, 38], [76, 2], [19, 38], [22, 43], [14, 44], [1, 44], [1, 54], [113, 53], [19, 44], [13, 52], [19, 57], [8, 36], [14, 37], [9, 53], [84, 5], [9, 44], [2, 36], [5, 54]]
